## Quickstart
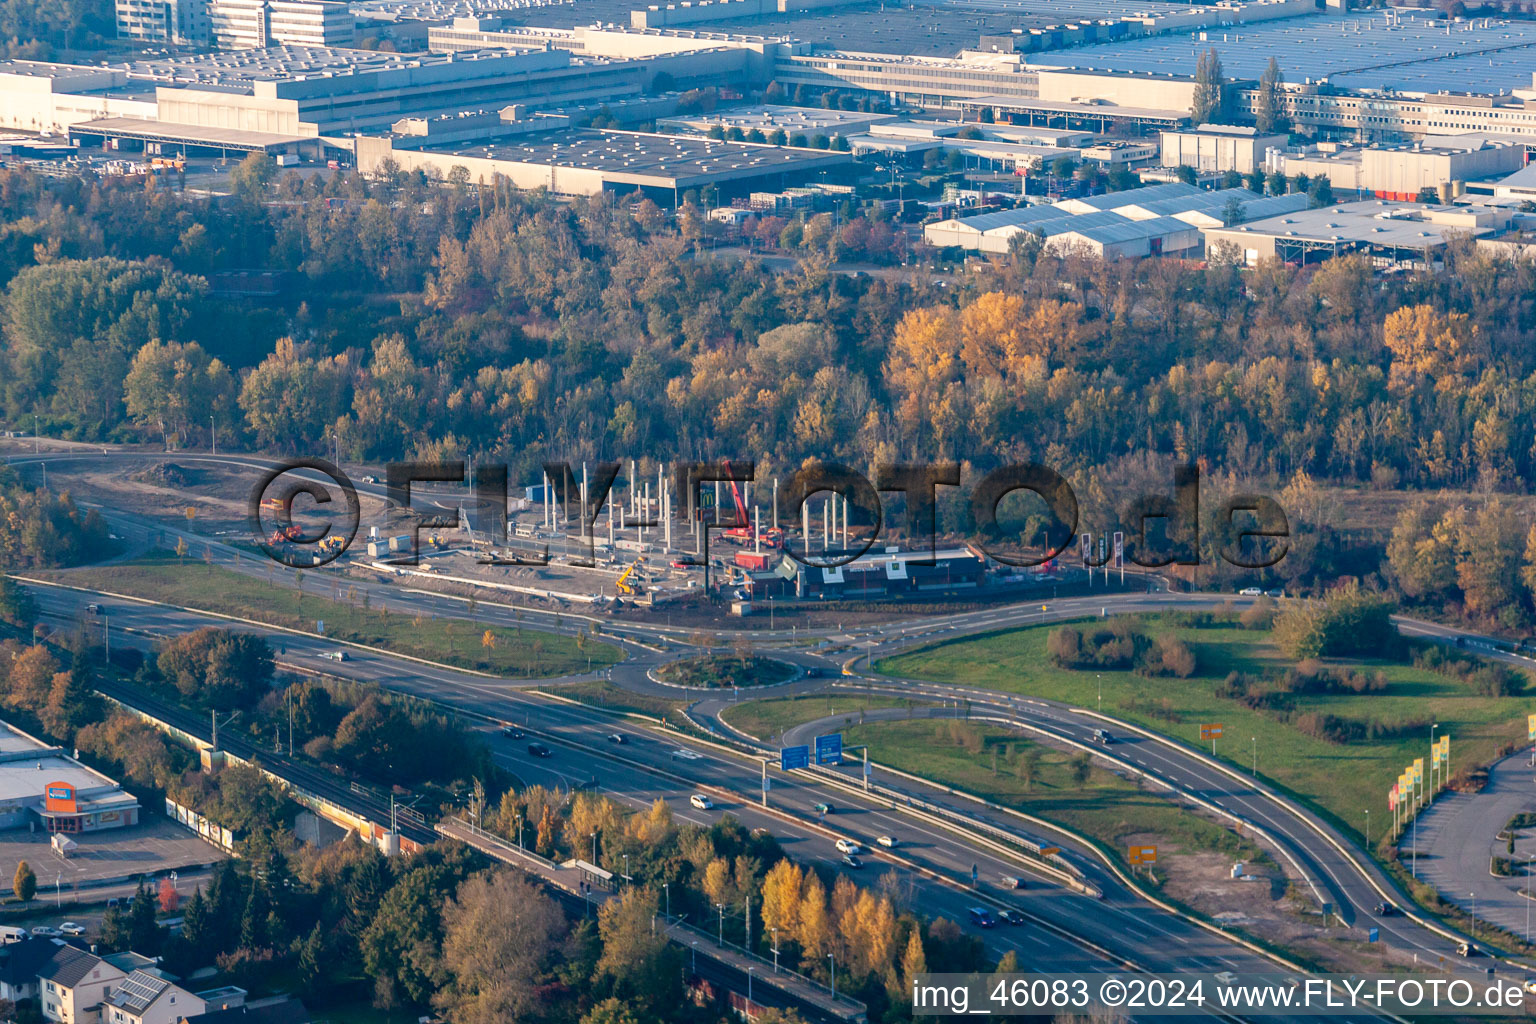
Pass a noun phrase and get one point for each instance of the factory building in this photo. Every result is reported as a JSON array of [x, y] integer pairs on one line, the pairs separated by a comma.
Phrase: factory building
[[1403, 172], [587, 162], [42, 787], [1215, 148], [1152, 221], [181, 22], [237, 24], [301, 92], [254, 24], [1391, 233]]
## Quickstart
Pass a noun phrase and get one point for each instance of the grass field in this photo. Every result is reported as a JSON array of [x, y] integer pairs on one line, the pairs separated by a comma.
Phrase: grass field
[[960, 754], [606, 695], [766, 719], [1342, 780], [516, 653]]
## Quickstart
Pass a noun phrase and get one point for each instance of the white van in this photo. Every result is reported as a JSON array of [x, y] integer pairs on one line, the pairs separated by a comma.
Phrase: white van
[[9, 935]]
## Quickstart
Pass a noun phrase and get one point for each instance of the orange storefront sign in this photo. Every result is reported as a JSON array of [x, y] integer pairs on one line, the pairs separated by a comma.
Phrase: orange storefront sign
[[59, 796]]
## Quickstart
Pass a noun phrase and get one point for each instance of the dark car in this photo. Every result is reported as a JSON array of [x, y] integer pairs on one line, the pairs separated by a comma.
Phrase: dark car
[[538, 750], [512, 732], [851, 861], [1384, 910], [982, 917], [1011, 917]]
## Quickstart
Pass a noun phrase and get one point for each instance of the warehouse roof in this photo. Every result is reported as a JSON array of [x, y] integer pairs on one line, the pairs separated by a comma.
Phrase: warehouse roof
[[1375, 222], [1413, 52], [196, 135]]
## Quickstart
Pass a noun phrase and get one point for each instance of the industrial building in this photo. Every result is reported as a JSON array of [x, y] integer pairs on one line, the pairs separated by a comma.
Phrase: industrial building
[[1403, 172], [1215, 148], [587, 162], [277, 95], [181, 22], [237, 24], [40, 786], [1390, 232], [805, 121], [1156, 220], [254, 24]]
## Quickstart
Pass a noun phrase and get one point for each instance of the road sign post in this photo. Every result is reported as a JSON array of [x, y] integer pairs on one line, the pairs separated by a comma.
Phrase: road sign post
[[829, 748], [1210, 731], [792, 758]]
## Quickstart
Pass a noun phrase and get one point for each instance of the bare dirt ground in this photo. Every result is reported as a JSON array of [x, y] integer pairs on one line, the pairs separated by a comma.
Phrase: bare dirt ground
[[1271, 908]]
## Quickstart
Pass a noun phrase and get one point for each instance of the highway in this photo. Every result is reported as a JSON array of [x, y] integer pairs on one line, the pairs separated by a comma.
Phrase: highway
[[1340, 875], [576, 735]]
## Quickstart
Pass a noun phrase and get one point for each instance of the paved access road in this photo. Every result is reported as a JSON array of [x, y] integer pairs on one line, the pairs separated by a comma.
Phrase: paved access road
[[580, 751], [1457, 839]]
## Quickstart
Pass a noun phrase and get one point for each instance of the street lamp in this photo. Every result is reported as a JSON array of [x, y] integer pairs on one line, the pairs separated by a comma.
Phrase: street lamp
[[1473, 897], [720, 939], [1367, 829], [750, 969], [832, 975], [1101, 693], [626, 869], [1255, 757], [666, 888], [594, 849], [776, 931]]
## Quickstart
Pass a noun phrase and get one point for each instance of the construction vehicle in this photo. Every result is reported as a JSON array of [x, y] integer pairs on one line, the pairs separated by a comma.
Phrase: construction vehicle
[[746, 532], [627, 584]]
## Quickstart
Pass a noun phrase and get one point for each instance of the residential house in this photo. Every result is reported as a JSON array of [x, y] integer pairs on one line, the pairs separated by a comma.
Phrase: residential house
[[150, 996], [73, 983], [20, 963]]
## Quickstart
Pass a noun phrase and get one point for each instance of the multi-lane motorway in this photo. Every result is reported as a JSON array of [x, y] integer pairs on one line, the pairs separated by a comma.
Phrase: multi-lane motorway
[[935, 863]]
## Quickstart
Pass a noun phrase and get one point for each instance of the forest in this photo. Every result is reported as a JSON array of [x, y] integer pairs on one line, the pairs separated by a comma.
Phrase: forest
[[434, 319]]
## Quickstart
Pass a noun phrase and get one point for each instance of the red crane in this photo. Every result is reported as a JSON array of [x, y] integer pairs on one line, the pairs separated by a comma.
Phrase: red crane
[[746, 532]]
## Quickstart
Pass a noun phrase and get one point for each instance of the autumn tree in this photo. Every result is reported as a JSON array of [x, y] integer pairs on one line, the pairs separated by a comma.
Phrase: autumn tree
[[499, 934], [1266, 107], [1210, 89]]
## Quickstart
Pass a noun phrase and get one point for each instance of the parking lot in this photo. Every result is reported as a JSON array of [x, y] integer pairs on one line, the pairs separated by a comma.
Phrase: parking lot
[[101, 857]]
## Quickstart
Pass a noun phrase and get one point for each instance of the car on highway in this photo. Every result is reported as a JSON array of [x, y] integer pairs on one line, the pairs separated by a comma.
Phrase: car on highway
[[94, 609], [44, 931], [538, 750], [73, 929], [335, 655], [981, 917], [1012, 882], [617, 737], [1466, 949], [1103, 737], [1530, 986], [512, 732], [684, 754], [1251, 592], [889, 842], [822, 808], [1012, 917], [848, 846], [1384, 910], [1274, 593], [850, 861], [701, 801]]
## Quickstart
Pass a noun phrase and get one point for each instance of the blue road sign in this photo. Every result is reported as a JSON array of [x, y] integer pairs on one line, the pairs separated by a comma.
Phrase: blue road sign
[[829, 749], [791, 758], [1375, 934]]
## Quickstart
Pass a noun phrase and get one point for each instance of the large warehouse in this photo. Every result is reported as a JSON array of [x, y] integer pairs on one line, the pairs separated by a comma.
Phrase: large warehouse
[[1390, 232], [1151, 221], [587, 161], [41, 786]]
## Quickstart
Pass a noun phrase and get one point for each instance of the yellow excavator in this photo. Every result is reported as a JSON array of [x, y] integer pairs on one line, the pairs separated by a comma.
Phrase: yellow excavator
[[624, 584]]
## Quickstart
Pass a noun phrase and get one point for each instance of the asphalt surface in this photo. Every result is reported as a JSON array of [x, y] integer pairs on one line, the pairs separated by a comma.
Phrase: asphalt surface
[[1350, 885]]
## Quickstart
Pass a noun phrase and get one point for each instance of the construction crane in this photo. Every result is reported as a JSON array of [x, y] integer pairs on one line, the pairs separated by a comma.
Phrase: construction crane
[[746, 533], [624, 585]]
